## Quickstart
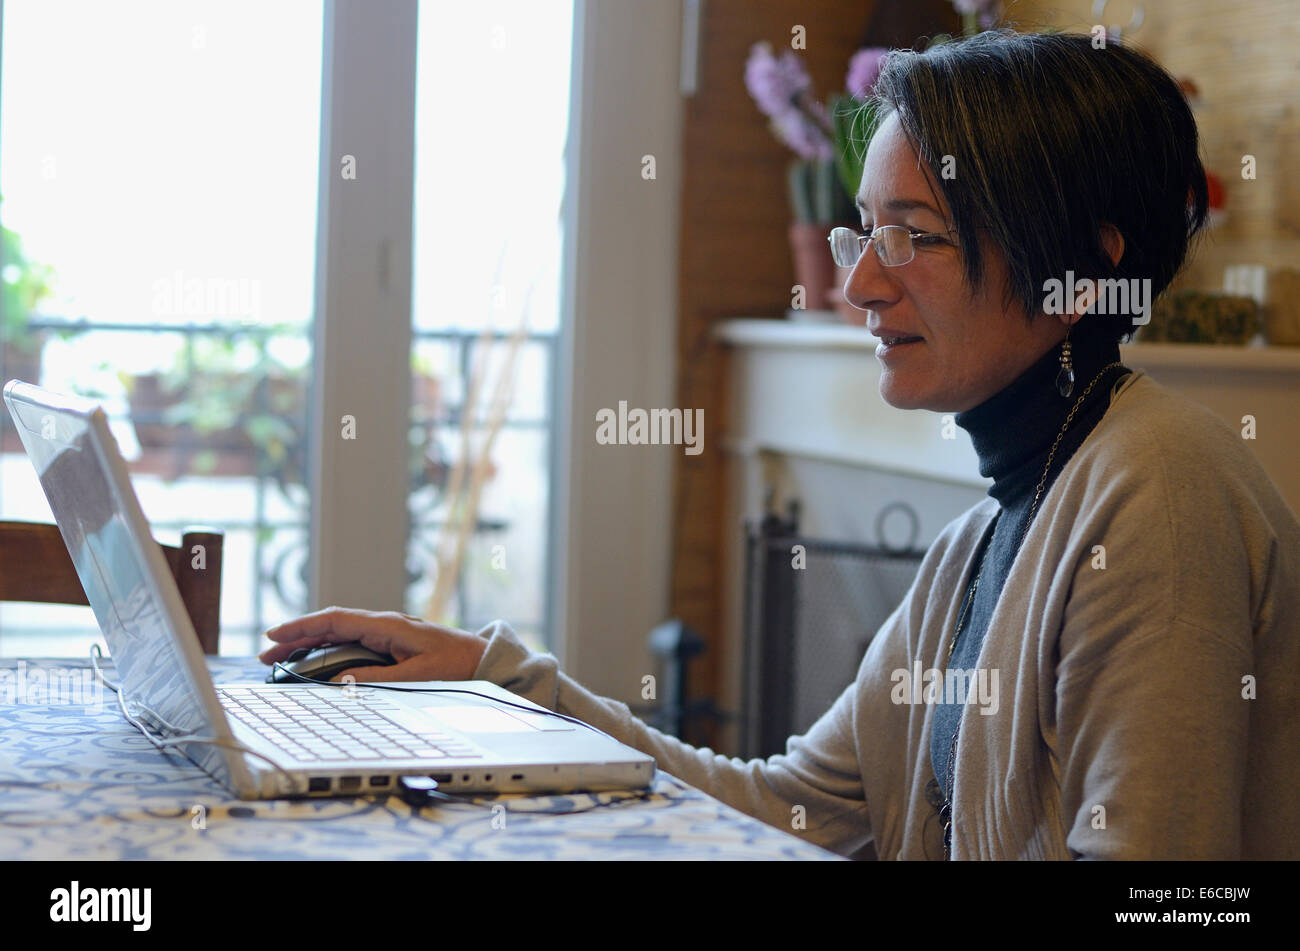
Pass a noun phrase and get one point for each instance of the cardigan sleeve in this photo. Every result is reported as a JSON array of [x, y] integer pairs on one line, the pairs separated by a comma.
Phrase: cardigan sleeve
[[814, 790], [1153, 743], [1153, 710]]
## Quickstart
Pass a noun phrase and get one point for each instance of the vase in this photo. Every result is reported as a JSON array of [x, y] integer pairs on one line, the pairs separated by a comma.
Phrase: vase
[[813, 267], [848, 314], [21, 360]]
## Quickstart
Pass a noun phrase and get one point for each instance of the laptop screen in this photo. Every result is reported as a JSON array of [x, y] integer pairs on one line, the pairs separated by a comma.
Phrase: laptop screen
[[69, 444]]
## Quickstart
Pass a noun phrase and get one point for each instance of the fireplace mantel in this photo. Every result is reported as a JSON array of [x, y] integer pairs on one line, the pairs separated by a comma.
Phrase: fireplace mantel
[[811, 390]]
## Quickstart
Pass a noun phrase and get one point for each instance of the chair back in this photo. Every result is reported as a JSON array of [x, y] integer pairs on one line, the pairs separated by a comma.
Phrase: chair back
[[35, 566]]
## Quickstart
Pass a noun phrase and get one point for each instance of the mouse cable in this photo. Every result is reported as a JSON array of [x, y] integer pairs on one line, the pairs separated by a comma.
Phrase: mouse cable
[[95, 655], [164, 743], [472, 693]]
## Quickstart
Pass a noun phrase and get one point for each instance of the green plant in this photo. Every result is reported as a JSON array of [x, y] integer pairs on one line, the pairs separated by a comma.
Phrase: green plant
[[853, 123], [219, 387], [230, 392], [227, 392], [816, 195], [831, 141], [26, 284]]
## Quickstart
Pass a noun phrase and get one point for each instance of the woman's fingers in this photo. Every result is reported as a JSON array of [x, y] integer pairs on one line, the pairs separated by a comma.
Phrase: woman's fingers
[[347, 623], [388, 632], [281, 652], [424, 651], [335, 625]]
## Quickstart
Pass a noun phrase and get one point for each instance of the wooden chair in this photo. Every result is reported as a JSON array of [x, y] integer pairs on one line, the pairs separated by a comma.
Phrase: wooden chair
[[35, 566]]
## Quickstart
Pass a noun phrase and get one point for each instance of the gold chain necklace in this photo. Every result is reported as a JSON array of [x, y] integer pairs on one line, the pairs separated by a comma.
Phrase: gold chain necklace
[[946, 811]]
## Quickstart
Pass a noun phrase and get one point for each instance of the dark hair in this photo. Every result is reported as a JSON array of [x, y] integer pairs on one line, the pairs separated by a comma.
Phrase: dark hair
[[1051, 137]]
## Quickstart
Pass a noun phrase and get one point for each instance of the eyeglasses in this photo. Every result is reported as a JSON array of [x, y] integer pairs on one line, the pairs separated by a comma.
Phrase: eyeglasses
[[895, 245]]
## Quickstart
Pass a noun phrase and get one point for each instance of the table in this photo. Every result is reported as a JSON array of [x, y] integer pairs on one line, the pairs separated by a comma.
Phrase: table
[[78, 782]]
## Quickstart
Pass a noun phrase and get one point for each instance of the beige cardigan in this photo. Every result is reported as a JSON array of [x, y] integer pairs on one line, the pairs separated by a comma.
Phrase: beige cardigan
[[1148, 709]]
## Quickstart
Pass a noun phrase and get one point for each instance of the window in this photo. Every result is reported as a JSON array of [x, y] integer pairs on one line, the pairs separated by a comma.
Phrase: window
[[158, 166], [489, 181]]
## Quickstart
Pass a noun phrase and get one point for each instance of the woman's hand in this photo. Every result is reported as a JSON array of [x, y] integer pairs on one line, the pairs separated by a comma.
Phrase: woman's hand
[[423, 650]]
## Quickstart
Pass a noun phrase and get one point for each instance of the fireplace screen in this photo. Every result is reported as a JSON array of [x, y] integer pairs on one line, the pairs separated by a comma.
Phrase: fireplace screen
[[811, 609]]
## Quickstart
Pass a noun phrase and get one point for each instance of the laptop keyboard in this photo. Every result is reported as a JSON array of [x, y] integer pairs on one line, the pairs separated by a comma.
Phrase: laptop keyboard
[[328, 728]]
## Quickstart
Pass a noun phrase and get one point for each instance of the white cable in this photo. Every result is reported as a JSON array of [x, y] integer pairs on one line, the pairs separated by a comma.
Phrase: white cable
[[164, 743], [95, 654]]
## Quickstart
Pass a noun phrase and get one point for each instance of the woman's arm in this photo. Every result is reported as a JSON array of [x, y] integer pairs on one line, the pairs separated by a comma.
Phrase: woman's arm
[[1152, 744], [813, 790], [1152, 707]]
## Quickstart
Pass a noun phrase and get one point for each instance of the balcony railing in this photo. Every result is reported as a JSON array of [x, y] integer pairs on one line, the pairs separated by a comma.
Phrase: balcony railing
[[280, 500]]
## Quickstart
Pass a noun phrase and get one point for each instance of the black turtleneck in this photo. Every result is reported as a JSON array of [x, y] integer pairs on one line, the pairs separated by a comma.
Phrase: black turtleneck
[[1013, 432]]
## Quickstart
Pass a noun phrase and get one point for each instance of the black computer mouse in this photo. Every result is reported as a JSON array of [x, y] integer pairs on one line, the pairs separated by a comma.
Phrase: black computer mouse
[[323, 662]]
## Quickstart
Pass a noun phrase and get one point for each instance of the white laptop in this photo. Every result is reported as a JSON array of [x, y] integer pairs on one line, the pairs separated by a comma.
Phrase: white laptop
[[361, 738]]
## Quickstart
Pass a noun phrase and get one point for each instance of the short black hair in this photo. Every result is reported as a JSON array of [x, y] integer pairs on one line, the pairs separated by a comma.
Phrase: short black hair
[[1051, 137]]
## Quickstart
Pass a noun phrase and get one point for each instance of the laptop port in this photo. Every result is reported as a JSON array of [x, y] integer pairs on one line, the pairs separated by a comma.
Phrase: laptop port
[[349, 783], [517, 776], [381, 780], [318, 784], [441, 777]]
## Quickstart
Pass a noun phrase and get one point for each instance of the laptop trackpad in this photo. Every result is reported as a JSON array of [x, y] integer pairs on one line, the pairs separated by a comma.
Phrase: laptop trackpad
[[469, 719]]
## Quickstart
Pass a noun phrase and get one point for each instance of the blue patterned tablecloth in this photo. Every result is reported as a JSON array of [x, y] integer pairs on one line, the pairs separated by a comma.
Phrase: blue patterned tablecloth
[[78, 782]]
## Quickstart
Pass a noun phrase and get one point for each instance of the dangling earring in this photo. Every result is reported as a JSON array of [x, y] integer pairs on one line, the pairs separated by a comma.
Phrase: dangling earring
[[1065, 378]]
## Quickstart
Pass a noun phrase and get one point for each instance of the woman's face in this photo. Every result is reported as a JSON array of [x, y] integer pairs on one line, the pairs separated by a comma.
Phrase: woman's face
[[971, 347]]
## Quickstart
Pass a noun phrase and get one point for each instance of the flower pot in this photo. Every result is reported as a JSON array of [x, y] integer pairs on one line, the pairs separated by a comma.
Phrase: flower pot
[[813, 267], [21, 359], [426, 395], [19, 362], [148, 402], [835, 296], [224, 450]]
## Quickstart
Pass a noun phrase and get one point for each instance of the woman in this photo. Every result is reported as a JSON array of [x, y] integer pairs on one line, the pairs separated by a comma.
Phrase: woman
[[1132, 585]]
